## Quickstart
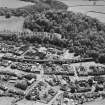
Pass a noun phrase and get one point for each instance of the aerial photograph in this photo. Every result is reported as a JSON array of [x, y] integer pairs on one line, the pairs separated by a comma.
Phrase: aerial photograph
[[52, 52]]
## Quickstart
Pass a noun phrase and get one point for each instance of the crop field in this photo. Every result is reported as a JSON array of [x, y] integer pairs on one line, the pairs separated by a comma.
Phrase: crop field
[[11, 24]]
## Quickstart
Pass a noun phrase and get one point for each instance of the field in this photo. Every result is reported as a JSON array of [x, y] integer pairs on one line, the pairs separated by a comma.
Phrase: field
[[101, 102], [85, 7], [13, 3], [5, 100], [11, 24]]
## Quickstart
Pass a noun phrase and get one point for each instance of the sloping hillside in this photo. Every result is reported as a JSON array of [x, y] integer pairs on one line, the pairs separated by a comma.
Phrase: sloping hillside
[[38, 6], [80, 33], [84, 35], [55, 4]]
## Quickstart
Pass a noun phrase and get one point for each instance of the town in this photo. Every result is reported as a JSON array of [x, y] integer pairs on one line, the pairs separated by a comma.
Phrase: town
[[52, 52], [47, 74]]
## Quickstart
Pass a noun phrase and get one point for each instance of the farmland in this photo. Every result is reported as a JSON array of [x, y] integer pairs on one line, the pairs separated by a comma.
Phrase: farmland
[[11, 24], [13, 3]]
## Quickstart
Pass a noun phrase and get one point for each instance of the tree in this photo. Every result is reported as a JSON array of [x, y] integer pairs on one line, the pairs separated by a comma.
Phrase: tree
[[90, 82], [102, 58], [72, 90], [7, 15], [22, 84], [93, 54]]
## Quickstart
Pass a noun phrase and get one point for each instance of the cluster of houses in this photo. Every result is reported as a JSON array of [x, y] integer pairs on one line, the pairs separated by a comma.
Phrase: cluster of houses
[[21, 66], [41, 92], [40, 73]]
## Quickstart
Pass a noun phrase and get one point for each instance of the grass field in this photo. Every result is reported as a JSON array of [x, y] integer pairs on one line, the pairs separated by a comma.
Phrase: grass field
[[75, 5], [11, 24], [98, 102], [6, 100], [13, 3]]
